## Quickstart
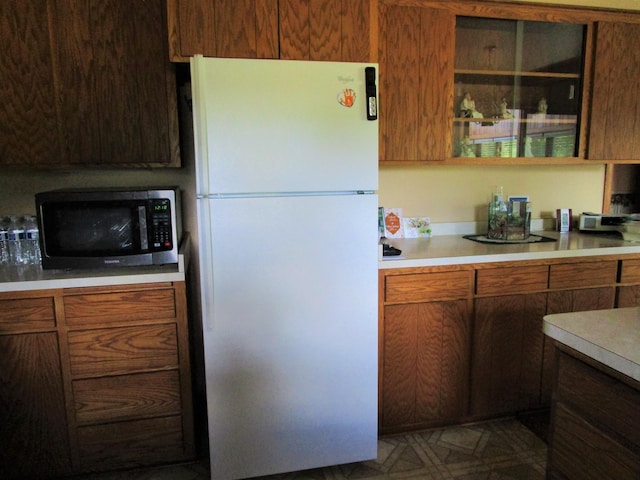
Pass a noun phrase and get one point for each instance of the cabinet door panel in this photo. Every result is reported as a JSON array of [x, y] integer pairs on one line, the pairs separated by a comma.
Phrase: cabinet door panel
[[507, 353], [114, 399], [34, 441], [122, 350], [330, 30], [399, 365], [28, 115], [615, 98], [416, 83], [222, 28], [452, 355], [425, 363]]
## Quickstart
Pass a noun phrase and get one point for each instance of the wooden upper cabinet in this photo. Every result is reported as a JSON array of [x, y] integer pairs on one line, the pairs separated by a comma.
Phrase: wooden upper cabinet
[[87, 84], [115, 85], [416, 50], [332, 30], [615, 102], [222, 28], [28, 115]]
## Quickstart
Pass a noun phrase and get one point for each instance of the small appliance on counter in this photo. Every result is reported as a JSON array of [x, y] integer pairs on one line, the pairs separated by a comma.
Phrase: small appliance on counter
[[599, 222], [109, 227]]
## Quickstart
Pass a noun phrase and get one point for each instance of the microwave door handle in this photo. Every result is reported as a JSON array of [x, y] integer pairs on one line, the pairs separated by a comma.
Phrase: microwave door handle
[[142, 222]]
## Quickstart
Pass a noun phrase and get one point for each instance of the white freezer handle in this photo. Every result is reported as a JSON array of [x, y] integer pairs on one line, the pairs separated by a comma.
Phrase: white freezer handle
[[205, 247]]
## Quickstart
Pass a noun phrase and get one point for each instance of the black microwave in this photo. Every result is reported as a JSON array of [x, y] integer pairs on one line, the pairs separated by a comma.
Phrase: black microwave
[[93, 228]]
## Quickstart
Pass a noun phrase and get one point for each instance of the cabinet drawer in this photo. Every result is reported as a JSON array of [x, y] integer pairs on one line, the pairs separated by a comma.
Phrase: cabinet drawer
[[590, 390], [122, 350], [498, 281], [422, 287], [129, 444], [577, 275], [27, 314], [119, 306], [126, 397], [630, 271]]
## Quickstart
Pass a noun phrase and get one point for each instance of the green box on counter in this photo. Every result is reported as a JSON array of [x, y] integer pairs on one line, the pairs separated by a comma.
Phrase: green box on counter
[[509, 220]]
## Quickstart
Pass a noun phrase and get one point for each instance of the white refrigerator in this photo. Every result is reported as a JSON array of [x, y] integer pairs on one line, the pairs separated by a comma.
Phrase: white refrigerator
[[286, 175]]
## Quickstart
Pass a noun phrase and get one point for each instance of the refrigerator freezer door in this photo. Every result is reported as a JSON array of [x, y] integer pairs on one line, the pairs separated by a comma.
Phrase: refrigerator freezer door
[[290, 339], [282, 126]]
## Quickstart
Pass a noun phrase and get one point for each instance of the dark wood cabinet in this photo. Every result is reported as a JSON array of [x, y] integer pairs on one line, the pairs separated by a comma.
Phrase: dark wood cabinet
[[87, 84], [94, 379], [615, 101], [507, 353], [28, 102], [416, 48], [325, 30], [34, 439], [222, 28], [424, 349], [464, 342]]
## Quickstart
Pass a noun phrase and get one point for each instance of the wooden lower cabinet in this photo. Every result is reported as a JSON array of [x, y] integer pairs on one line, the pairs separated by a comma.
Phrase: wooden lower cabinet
[[467, 343], [107, 387], [424, 356], [34, 439], [425, 366], [507, 354]]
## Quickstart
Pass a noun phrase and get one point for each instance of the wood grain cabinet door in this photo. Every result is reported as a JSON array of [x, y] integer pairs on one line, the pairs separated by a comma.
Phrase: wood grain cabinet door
[[507, 353], [222, 28], [28, 114], [416, 48], [329, 30], [34, 440], [425, 364], [615, 103]]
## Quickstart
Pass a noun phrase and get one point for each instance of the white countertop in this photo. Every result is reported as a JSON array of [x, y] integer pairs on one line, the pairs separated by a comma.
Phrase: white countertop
[[611, 337], [454, 249], [32, 277]]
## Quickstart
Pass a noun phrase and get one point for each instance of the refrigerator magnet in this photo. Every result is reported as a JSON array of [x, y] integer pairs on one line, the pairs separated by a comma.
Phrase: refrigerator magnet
[[347, 97]]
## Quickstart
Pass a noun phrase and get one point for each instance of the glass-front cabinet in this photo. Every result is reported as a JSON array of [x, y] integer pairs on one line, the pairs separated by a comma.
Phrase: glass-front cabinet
[[517, 88]]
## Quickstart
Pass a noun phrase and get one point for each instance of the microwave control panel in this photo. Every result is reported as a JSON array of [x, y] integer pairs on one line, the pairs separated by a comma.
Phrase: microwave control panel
[[160, 231]]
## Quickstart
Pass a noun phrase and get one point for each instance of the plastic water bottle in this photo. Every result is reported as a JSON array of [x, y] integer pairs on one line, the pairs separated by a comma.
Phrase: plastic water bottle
[[31, 246], [16, 241], [4, 241]]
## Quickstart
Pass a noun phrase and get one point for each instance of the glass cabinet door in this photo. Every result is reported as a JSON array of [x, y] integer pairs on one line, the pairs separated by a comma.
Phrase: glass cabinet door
[[517, 88]]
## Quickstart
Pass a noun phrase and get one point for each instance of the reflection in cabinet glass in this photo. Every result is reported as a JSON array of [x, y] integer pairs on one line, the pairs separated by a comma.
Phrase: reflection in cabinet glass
[[517, 88]]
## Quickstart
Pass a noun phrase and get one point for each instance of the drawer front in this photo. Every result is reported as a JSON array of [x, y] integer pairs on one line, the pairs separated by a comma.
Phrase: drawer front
[[498, 281], [578, 275], [591, 391], [423, 287], [630, 271], [130, 444], [27, 314], [119, 307], [117, 351], [126, 397]]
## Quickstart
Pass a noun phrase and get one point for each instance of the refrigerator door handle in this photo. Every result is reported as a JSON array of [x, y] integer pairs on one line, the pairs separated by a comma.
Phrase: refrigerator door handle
[[370, 86], [205, 240]]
